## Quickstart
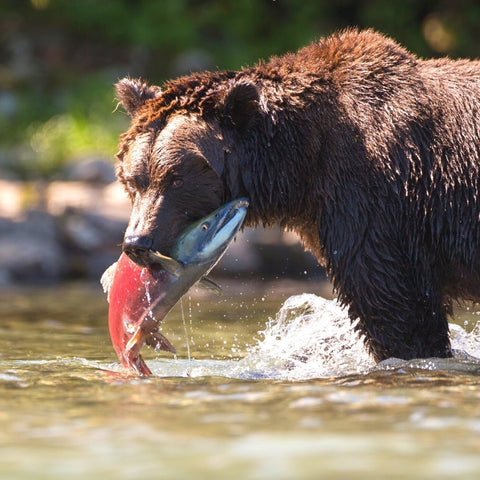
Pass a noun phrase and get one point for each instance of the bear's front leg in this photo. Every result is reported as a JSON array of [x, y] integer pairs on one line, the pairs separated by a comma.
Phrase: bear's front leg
[[401, 310], [403, 332]]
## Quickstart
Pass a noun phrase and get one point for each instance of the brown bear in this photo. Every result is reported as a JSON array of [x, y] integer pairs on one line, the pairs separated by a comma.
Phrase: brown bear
[[369, 153]]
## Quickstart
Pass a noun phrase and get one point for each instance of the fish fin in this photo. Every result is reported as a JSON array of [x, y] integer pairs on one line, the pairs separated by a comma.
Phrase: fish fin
[[136, 341], [169, 264], [158, 342], [210, 285], [107, 279]]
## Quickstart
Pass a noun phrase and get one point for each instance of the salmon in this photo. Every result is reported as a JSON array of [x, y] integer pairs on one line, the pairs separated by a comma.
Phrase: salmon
[[141, 297]]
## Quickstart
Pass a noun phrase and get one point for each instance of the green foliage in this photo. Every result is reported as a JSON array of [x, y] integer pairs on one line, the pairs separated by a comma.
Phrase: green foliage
[[61, 126], [65, 137], [60, 58]]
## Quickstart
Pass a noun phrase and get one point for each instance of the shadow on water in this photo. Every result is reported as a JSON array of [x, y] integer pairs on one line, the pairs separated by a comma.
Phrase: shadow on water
[[269, 393]]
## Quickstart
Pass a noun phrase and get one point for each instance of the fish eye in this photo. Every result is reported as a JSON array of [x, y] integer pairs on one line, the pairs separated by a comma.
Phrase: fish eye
[[205, 226]]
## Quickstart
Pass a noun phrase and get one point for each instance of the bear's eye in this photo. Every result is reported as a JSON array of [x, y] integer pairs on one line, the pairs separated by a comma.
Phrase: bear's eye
[[130, 189], [176, 182]]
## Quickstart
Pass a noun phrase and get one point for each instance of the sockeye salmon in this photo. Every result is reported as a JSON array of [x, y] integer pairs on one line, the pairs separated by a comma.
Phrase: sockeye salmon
[[141, 297]]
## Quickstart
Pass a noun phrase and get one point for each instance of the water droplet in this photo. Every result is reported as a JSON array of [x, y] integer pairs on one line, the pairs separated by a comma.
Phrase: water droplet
[[129, 327]]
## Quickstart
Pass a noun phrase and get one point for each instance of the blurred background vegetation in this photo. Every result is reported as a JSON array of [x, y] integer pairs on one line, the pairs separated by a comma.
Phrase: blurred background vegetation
[[59, 58]]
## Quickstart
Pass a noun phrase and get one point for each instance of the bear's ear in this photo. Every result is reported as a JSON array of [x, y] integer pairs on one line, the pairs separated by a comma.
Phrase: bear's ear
[[133, 93], [241, 104]]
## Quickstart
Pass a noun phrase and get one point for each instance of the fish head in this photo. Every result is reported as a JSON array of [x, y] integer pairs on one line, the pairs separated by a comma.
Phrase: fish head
[[205, 241]]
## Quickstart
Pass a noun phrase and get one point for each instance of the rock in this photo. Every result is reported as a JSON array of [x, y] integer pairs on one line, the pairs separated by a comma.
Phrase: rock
[[30, 250], [87, 231], [93, 170], [109, 201], [92, 242]]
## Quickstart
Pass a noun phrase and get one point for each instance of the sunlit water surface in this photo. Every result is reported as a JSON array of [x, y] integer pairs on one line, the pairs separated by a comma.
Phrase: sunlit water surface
[[269, 393]]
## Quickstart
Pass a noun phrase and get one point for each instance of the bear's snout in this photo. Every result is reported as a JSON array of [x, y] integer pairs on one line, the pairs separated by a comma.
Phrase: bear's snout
[[138, 247]]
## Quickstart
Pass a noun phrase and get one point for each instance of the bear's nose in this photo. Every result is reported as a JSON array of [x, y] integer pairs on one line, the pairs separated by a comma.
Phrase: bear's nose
[[137, 247]]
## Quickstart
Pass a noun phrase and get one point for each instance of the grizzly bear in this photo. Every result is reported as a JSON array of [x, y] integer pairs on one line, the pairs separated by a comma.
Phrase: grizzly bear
[[369, 153]]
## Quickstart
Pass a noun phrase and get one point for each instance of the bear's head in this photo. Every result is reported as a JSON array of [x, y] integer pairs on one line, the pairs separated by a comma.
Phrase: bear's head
[[180, 158]]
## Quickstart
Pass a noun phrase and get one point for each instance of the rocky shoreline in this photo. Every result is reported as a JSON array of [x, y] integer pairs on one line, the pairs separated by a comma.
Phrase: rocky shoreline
[[75, 235]]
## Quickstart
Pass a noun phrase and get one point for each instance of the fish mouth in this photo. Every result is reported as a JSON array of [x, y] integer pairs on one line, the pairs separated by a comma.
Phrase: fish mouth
[[223, 226], [235, 209]]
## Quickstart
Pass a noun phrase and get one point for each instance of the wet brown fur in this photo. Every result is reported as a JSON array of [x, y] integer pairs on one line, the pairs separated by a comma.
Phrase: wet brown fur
[[370, 154]]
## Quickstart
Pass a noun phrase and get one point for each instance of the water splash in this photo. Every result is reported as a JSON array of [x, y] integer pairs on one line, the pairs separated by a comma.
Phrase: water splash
[[309, 337], [465, 343], [312, 337]]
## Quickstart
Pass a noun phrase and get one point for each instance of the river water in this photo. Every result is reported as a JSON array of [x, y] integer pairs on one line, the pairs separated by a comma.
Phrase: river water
[[268, 393]]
